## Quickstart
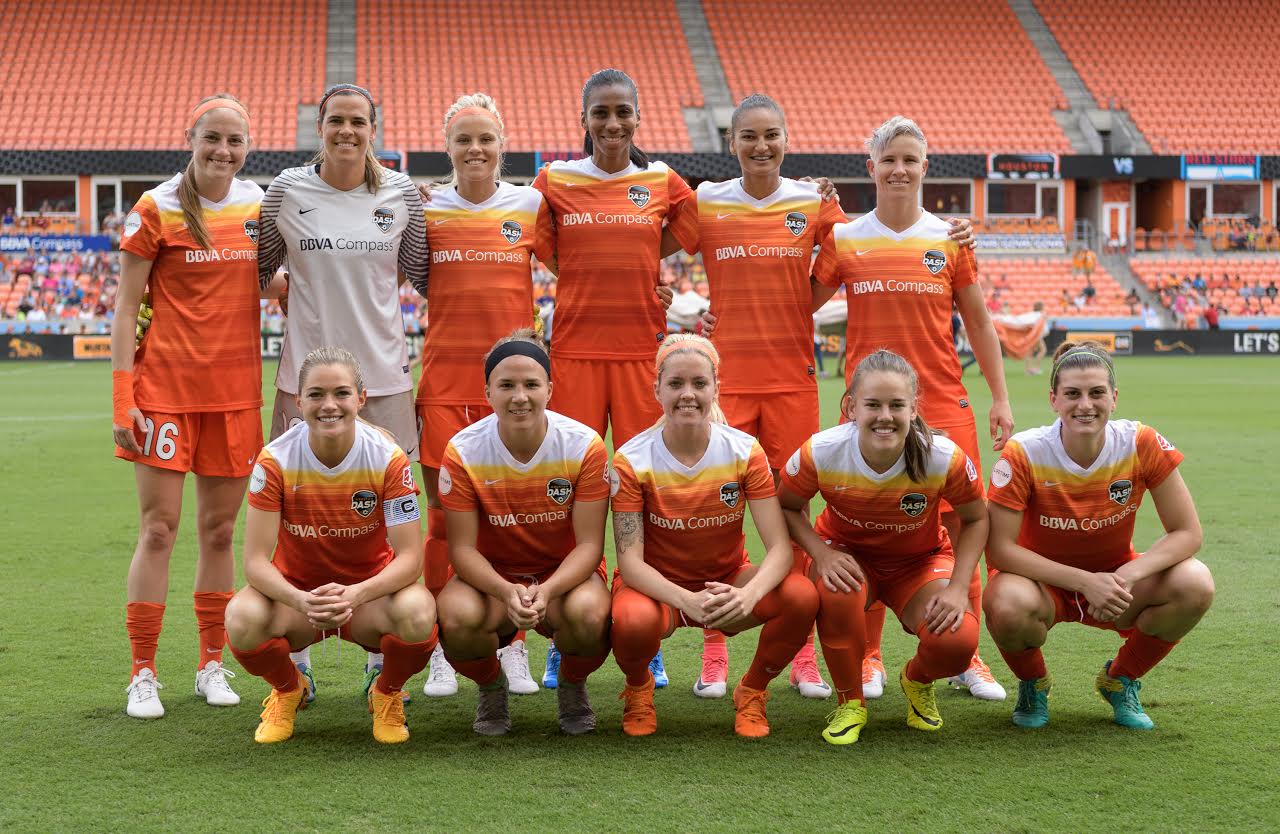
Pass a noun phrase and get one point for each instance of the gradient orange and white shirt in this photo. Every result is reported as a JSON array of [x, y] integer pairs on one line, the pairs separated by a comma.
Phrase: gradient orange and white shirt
[[608, 245], [900, 288], [1078, 516], [757, 254], [885, 519], [480, 288], [692, 515], [203, 351], [525, 510], [333, 521]]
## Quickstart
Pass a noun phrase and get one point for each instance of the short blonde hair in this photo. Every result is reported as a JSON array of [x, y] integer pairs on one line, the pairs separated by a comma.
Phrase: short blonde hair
[[892, 129]]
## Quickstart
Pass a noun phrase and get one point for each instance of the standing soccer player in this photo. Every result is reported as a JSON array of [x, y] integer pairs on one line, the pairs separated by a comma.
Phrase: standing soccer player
[[901, 275], [189, 399]]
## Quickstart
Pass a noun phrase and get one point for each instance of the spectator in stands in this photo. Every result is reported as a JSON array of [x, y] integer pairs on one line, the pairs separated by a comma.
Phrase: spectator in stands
[[1150, 317], [1211, 316], [8, 218], [1066, 301], [1089, 292], [1272, 290], [1088, 263], [1133, 301], [1199, 284]]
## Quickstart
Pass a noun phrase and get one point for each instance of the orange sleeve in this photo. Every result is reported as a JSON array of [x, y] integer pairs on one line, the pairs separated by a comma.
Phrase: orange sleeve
[[540, 181], [544, 233], [455, 489], [757, 480], [684, 225], [826, 267], [963, 484], [266, 484], [398, 480], [800, 475], [829, 214], [1157, 456], [628, 496], [966, 272], [1011, 478], [593, 477], [145, 241], [678, 195]]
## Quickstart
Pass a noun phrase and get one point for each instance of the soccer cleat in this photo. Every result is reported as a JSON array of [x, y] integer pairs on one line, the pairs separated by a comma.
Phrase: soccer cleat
[[922, 706], [389, 726], [144, 697], [442, 680], [371, 674], [574, 709], [845, 723], [278, 712], [805, 677], [979, 681], [492, 716], [659, 671], [1032, 709], [750, 720], [639, 718], [305, 670], [713, 681], [551, 672], [515, 665], [873, 676], [1122, 694], [211, 684]]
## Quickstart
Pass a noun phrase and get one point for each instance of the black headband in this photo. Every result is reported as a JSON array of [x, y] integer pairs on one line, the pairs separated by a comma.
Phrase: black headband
[[349, 88], [516, 347]]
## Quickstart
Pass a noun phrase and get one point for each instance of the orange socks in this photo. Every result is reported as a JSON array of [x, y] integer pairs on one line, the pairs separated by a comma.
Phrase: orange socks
[[485, 671], [401, 660], [842, 631], [436, 567], [788, 612], [945, 654], [636, 634], [875, 629], [210, 607], [1027, 664], [574, 668], [142, 620], [270, 661], [1139, 655]]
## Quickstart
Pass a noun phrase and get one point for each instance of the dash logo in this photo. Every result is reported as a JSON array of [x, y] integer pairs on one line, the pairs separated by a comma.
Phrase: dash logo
[[913, 504], [796, 222], [935, 260], [730, 493], [511, 231], [251, 230], [1119, 491], [559, 490], [639, 195], [383, 218], [363, 502]]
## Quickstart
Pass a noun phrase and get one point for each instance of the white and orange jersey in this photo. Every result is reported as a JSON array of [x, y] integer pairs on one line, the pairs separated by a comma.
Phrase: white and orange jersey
[[480, 288], [1078, 516], [900, 288], [757, 254], [692, 514], [333, 521], [608, 245], [525, 510], [203, 351], [885, 519]]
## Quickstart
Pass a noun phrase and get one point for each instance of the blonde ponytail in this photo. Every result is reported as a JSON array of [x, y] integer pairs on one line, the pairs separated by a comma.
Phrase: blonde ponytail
[[188, 195], [691, 344]]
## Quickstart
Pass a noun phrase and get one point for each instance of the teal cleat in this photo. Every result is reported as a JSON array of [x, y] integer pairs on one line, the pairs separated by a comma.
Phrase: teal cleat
[[1122, 694], [370, 675], [1032, 709], [659, 671], [305, 671], [551, 673]]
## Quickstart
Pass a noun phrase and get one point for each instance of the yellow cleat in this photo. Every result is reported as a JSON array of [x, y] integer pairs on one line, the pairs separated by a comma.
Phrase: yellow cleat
[[389, 725], [143, 323], [845, 724], [278, 713], [922, 706]]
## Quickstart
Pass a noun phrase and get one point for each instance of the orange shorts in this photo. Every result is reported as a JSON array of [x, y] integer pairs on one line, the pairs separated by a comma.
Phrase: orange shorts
[[437, 424], [523, 579], [605, 393], [672, 617], [1072, 607], [782, 422], [343, 634], [895, 588], [214, 444]]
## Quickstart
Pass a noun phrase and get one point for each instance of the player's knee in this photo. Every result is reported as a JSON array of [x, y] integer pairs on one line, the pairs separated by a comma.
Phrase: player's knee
[[414, 614], [633, 614], [157, 534], [1007, 606], [799, 598], [217, 537], [1194, 586], [246, 618]]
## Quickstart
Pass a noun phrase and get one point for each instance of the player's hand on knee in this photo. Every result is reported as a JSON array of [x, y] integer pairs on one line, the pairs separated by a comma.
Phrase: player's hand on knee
[[838, 570], [727, 604], [946, 610], [1108, 596], [522, 615]]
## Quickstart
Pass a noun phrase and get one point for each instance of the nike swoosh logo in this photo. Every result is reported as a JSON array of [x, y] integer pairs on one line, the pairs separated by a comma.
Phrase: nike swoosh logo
[[213, 651], [845, 730], [839, 488], [1053, 483], [491, 483], [304, 211], [701, 686], [441, 222], [861, 252], [297, 487], [941, 570], [720, 216], [930, 721]]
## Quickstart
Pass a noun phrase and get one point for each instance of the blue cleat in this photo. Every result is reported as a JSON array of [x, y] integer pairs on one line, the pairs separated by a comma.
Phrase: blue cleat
[[305, 671], [1122, 694], [551, 675], [1032, 709], [659, 671]]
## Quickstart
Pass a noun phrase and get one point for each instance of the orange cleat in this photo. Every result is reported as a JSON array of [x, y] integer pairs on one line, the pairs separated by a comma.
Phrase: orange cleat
[[750, 721], [639, 718]]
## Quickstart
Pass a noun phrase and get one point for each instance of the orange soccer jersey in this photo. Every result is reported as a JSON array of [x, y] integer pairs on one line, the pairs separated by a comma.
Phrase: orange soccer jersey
[[900, 289], [608, 245], [757, 255], [692, 514], [885, 519], [333, 522], [203, 351], [525, 510], [1077, 516], [480, 288]]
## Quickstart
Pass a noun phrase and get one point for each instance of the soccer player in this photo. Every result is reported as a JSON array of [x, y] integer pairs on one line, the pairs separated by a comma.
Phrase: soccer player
[[901, 276], [880, 539], [189, 400], [332, 543], [1064, 499], [525, 492], [681, 492], [351, 230], [481, 233]]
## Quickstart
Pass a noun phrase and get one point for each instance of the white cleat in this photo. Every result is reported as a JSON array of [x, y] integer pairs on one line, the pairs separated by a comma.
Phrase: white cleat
[[805, 677], [144, 696], [979, 681], [873, 677], [211, 684], [515, 665], [442, 681]]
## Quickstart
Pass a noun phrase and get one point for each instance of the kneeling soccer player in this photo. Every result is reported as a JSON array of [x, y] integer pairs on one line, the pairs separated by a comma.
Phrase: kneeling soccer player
[[334, 498], [1063, 503]]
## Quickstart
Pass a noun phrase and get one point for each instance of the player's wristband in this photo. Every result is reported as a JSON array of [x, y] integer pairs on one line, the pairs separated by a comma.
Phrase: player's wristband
[[122, 398]]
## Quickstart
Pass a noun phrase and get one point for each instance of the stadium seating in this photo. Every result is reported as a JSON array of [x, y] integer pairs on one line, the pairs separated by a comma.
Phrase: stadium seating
[[1224, 278], [1021, 282], [532, 57], [114, 74], [1180, 69], [967, 73]]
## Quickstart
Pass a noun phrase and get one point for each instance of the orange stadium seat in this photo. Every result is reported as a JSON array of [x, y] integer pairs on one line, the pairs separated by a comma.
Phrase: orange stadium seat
[[1181, 70], [129, 73], [1021, 282], [533, 60], [1224, 276], [969, 75]]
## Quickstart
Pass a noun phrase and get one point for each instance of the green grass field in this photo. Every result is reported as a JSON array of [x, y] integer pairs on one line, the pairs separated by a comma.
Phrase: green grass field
[[72, 761]]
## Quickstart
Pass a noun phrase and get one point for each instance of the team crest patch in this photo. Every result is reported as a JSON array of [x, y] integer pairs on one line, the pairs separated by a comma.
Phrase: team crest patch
[[729, 494], [511, 231], [970, 469], [913, 504], [935, 260], [1119, 491], [383, 218], [796, 222], [559, 490], [364, 502], [1164, 444], [251, 230], [639, 195]]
